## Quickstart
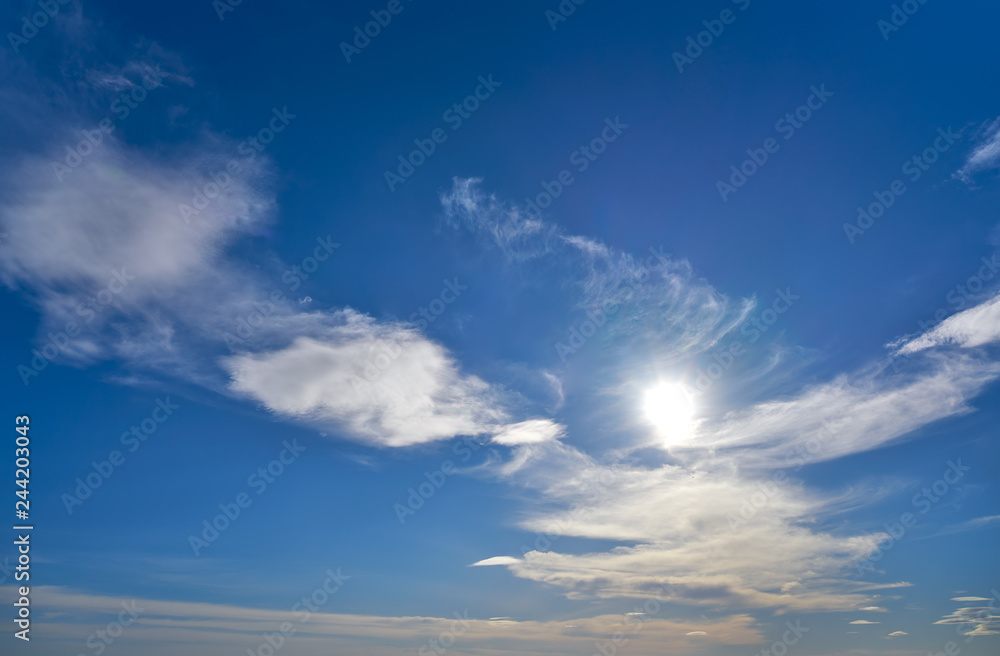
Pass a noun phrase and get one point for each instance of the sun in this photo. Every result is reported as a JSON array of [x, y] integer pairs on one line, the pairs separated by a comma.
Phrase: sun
[[671, 409]]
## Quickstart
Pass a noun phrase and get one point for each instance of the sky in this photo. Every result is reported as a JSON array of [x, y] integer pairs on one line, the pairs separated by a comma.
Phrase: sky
[[501, 328]]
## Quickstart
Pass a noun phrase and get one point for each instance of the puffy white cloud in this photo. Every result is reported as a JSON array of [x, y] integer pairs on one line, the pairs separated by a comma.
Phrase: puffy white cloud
[[132, 250], [381, 382]]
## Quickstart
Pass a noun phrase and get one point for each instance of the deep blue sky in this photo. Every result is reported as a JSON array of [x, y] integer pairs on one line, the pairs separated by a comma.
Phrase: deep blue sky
[[488, 370]]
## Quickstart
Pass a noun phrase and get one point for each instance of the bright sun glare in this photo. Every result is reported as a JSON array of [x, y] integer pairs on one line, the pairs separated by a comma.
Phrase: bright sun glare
[[671, 410]]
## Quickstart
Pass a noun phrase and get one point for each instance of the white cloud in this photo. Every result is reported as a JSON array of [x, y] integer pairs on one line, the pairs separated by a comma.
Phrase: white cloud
[[969, 525], [115, 219], [658, 303], [985, 155], [109, 214], [118, 210], [588, 246], [896, 634], [975, 620], [532, 431], [495, 561], [704, 523], [379, 382], [517, 236], [681, 528], [977, 326], [188, 301], [851, 414], [864, 622], [653, 299]]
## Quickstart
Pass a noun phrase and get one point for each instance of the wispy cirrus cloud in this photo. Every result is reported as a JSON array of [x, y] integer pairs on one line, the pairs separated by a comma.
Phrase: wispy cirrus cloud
[[864, 411], [976, 326], [497, 223], [533, 431], [658, 300], [985, 155], [704, 522]]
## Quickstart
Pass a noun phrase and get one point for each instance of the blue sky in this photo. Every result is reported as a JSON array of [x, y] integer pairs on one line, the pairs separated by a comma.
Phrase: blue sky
[[514, 328]]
